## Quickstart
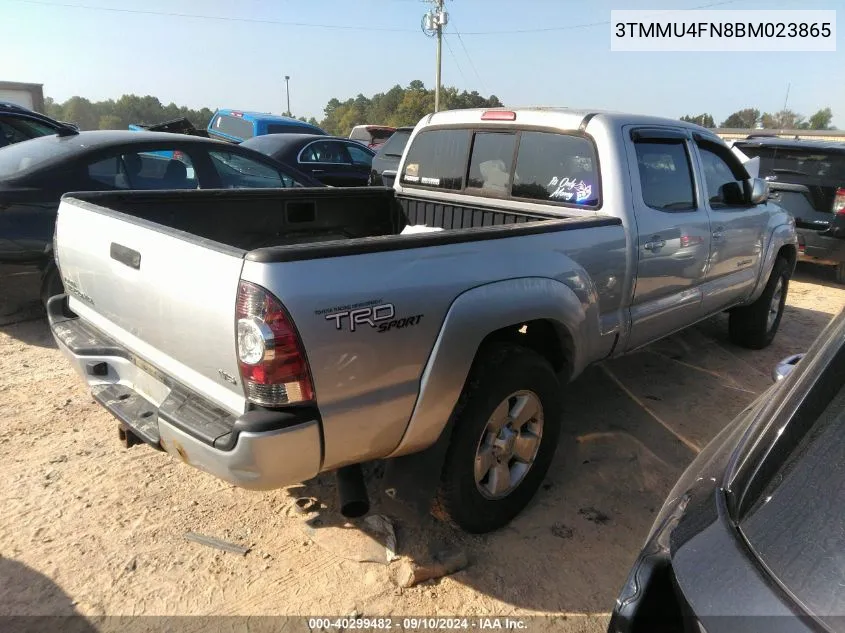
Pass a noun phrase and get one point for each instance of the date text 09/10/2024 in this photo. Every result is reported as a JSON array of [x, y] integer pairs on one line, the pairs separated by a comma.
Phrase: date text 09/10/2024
[[416, 624]]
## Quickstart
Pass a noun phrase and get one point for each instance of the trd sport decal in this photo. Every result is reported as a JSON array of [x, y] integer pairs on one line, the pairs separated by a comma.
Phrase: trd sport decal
[[382, 318]]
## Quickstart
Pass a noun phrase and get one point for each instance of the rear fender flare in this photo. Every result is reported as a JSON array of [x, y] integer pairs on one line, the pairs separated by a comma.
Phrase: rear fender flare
[[471, 317]]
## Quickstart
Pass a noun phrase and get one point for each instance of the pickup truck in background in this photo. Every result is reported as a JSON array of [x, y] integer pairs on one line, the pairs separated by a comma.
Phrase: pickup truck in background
[[268, 336], [807, 178]]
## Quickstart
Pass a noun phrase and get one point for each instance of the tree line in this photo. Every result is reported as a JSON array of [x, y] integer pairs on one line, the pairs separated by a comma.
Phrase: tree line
[[397, 107], [750, 118]]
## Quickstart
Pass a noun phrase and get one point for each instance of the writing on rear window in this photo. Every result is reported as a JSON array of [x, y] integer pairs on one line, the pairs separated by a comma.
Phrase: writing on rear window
[[537, 166]]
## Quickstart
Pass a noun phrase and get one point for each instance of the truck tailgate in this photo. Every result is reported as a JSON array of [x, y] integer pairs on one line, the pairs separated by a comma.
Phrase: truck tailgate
[[169, 299]]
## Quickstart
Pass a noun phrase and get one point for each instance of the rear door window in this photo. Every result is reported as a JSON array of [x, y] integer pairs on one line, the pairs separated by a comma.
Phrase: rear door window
[[556, 168], [665, 175], [239, 172], [437, 158], [326, 152]]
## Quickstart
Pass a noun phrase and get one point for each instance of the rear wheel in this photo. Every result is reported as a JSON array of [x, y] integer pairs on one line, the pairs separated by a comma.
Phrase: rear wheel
[[51, 283], [504, 437], [754, 326]]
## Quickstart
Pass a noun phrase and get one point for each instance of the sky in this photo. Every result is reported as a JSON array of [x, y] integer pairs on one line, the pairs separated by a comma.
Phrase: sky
[[238, 55]]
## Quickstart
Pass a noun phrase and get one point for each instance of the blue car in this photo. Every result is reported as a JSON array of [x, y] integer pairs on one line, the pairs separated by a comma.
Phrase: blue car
[[236, 126]]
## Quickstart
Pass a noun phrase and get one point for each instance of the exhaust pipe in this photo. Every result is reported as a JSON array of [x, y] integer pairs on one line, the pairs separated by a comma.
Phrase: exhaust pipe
[[352, 491]]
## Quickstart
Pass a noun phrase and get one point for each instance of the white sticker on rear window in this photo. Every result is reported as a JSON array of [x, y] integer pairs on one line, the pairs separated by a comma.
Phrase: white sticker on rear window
[[570, 189], [434, 182], [412, 169]]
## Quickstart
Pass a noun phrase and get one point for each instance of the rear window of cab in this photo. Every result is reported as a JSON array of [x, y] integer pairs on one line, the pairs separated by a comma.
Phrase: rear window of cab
[[527, 165]]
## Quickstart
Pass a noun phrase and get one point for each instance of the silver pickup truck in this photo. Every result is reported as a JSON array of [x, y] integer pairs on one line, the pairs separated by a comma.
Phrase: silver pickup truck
[[268, 336]]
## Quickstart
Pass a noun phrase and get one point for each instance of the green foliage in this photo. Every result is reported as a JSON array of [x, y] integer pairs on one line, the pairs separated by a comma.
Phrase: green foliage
[[397, 107], [782, 120], [821, 120], [704, 120], [742, 119], [119, 114]]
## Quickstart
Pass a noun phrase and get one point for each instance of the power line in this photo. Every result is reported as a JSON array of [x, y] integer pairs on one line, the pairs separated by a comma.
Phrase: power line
[[569, 27], [469, 57], [457, 65], [217, 17]]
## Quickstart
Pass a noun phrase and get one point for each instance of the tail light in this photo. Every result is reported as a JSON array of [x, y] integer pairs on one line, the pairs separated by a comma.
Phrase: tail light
[[273, 366], [839, 202]]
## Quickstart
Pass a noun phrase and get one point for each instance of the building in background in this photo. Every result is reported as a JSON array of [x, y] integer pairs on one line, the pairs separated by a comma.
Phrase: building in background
[[27, 95]]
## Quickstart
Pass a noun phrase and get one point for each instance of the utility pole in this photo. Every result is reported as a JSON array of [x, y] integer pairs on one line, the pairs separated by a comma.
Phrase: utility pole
[[287, 92], [432, 25]]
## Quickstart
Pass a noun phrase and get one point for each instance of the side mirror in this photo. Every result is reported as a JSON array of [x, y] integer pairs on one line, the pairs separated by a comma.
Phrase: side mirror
[[759, 191], [785, 367]]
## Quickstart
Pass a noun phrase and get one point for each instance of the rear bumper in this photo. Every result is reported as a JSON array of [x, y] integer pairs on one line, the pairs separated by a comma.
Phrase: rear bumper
[[258, 450], [817, 247]]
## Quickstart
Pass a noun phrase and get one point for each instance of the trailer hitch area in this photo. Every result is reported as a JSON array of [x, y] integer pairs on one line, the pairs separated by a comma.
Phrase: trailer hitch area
[[127, 437]]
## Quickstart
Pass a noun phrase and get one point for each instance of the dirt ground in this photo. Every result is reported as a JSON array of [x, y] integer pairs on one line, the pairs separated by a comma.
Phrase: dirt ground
[[90, 527]]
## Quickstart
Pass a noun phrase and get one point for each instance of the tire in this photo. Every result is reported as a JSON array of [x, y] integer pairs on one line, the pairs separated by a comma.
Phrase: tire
[[504, 377], [840, 273], [51, 283], [751, 326]]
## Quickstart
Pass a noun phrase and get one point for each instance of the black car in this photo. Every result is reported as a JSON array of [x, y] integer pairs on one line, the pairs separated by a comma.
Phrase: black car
[[332, 160], [34, 175], [752, 537], [386, 161], [21, 124], [807, 178]]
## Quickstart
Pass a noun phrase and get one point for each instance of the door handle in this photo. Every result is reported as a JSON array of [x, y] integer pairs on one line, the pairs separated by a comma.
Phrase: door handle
[[318, 171], [654, 244]]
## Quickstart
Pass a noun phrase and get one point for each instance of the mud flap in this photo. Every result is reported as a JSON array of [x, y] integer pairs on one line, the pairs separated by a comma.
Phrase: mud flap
[[410, 482]]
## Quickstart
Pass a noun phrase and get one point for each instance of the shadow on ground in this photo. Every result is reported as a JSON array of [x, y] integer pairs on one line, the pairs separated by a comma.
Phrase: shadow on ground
[[32, 603], [21, 313], [631, 426]]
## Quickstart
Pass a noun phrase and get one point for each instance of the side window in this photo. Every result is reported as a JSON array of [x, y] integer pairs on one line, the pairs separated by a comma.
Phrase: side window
[[109, 172], [557, 168], [233, 126], [164, 169], [330, 152], [359, 155], [665, 175], [437, 158], [491, 162], [240, 172], [723, 176]]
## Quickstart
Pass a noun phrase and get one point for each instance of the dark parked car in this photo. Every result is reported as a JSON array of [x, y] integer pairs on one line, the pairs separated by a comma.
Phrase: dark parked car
[[332, 160], [752, 537], [807, 178], [386, 160], [21, 124], [34, 175]]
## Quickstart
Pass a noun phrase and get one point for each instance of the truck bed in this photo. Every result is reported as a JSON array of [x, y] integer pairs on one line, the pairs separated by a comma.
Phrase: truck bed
[[295, 224]]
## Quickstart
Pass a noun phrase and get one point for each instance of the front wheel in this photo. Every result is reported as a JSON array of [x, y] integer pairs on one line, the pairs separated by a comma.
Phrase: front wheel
[[504, 437], [754, 326]]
